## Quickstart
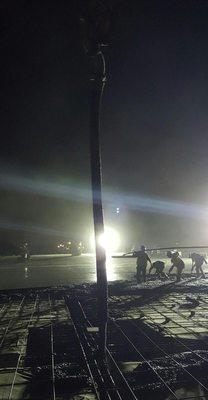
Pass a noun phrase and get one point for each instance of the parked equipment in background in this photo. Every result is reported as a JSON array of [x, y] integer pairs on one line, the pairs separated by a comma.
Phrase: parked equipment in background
[[73, 247]]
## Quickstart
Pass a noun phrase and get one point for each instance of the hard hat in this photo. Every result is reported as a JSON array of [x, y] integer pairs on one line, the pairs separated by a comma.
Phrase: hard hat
[[176, 253]]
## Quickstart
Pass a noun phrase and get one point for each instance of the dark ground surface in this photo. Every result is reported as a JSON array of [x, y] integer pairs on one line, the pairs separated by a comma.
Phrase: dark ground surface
[[157, 334]]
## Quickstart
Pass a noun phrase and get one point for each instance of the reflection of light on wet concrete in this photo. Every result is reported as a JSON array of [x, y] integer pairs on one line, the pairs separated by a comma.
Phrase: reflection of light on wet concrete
[[26, 272], [112, 275]]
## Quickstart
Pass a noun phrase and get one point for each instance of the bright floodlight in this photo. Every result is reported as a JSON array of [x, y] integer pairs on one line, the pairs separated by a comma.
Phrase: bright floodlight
[[109, 240]]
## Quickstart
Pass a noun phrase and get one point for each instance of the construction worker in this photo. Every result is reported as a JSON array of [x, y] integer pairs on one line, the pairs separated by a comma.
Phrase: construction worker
[[159, 269], [142, 260], [197, 262], [177, 262]]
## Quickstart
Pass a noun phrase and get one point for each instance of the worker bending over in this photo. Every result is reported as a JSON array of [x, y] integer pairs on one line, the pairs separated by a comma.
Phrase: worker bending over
[[197, 262], [177, 263], [158, 266]]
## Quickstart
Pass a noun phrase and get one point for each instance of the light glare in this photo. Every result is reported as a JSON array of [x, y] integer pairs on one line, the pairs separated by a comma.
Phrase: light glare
[[109, 240]]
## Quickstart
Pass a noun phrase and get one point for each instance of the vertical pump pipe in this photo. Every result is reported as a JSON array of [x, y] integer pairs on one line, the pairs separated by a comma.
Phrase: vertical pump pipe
[[97, 85], [95, 25]]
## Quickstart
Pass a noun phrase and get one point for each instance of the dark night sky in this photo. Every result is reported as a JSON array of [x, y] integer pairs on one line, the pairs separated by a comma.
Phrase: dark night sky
[[154, 119]]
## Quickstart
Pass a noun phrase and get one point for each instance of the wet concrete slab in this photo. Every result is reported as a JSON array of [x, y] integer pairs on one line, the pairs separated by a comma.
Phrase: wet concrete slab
[[50, 270]]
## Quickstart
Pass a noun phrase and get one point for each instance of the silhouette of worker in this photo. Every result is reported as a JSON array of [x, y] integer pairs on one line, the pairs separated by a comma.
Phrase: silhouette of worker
[[142, 260], [197, 262], [177, 262], [158, 266]]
